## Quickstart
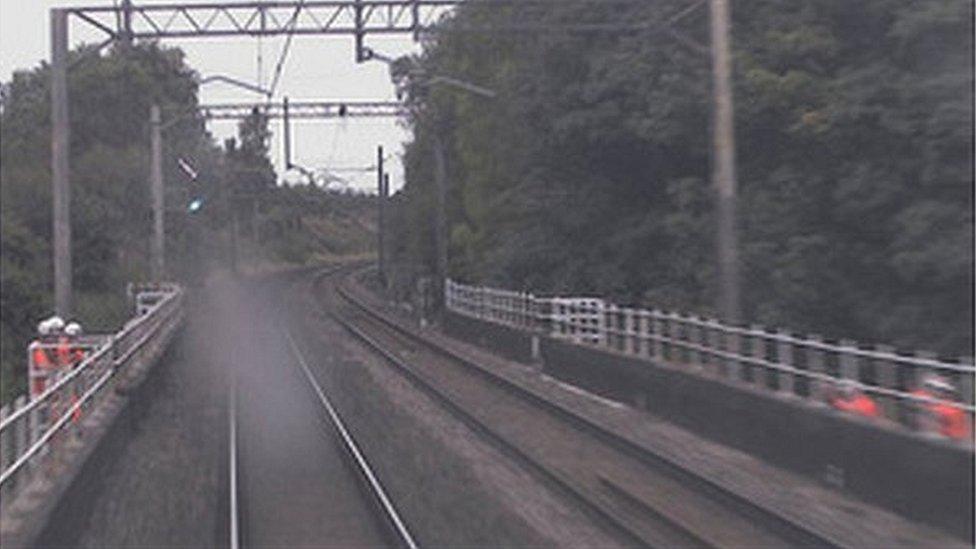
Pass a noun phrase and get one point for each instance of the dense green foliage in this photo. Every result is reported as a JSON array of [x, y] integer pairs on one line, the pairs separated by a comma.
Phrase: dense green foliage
[[589, 172], [110, 98]]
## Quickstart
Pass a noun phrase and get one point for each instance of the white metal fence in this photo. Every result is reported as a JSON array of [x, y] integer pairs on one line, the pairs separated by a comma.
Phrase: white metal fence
[[774, 360], [32, 430]]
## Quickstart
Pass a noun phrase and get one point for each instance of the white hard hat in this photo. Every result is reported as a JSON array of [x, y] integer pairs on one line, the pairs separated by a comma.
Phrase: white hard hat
[[55, 323], [73, 329], [44, 327]]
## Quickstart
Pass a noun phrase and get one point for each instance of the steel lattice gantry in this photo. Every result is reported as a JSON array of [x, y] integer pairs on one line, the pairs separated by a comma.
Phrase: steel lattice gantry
[[125, 22], [357, 17], [265, 18], [304, 110]]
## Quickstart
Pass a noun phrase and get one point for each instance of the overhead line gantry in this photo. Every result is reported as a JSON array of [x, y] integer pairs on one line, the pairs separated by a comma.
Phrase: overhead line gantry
[[126, 22]]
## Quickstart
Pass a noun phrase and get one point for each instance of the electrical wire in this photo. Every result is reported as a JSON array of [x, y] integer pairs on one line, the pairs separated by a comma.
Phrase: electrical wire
[[284, 51]]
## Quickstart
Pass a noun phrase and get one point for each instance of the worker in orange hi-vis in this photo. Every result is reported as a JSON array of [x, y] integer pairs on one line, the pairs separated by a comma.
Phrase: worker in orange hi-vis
[[941, 418], [42, 358], [51, 346], [73, 355], [851, 399]]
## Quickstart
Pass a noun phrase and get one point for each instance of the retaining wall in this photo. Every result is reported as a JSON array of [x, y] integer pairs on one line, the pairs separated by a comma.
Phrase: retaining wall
[[923, 479]]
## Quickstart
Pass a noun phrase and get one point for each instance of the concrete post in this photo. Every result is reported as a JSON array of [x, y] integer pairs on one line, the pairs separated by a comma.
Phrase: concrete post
[[691, 337], [786, 352], [849, 362], [634, 327], [642, 327], [4, 439], [733, 346], [920, 417], [966, 381], [158, 204], [759, 343], [816, 363], [60, 163], [657, 327], [887, 377], [723, 162]]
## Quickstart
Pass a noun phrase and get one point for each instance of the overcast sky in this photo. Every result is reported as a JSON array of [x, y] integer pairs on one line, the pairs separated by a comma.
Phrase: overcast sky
[[317, 67]]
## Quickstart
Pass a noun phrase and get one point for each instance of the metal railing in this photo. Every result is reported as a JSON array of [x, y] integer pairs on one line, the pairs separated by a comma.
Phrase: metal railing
[[33, 430], [804, 367]]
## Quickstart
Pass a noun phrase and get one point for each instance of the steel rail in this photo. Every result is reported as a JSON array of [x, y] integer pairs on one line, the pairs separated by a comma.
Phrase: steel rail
[[235, 534], [703, 481], [389, 509], [495, 439]]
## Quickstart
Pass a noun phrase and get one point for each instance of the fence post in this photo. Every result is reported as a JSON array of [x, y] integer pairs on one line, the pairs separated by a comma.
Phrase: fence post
[[886, 371], [733, 346], [38, 425], [643, 327], [667, 337], [709, 340], [635, 331], [678, 332], [21, 428], [816, 364], [966, 380], [755, 374], [481, 302], [689, 337], [4, 439], [849, 362], [918, 412], [654, 347], [785, 352]]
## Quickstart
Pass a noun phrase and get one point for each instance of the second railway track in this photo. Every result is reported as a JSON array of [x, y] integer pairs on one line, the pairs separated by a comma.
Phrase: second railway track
[[638, 496]]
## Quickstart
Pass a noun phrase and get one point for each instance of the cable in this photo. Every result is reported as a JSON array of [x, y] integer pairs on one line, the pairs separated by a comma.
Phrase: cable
[[284, 51]]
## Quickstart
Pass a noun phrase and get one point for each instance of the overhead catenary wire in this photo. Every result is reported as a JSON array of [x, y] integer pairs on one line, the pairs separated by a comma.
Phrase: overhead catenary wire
[[279, 66]]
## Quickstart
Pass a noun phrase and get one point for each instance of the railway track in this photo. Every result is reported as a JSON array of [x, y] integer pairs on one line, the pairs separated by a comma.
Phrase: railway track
[[643, 499], [336, 444]]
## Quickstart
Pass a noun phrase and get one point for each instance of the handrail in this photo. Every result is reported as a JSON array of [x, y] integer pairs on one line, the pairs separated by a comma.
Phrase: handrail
[[645, 333], [35, 402], [37, 421]]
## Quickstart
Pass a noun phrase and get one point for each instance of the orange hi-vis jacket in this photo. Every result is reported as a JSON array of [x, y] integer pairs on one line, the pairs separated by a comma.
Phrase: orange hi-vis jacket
[[64, 352], [42, 359], [861, 405], [68, 354], [951, 420]]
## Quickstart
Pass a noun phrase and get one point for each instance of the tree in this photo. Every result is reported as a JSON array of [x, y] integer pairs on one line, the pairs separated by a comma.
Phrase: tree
[[589, 172], [110, 98]]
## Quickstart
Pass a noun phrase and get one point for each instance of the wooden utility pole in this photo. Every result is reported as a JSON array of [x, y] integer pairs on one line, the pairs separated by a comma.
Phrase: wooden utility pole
[[384, 198], [440, 227], [158, 203], [723, 163], [380, 214], [60, 163]]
